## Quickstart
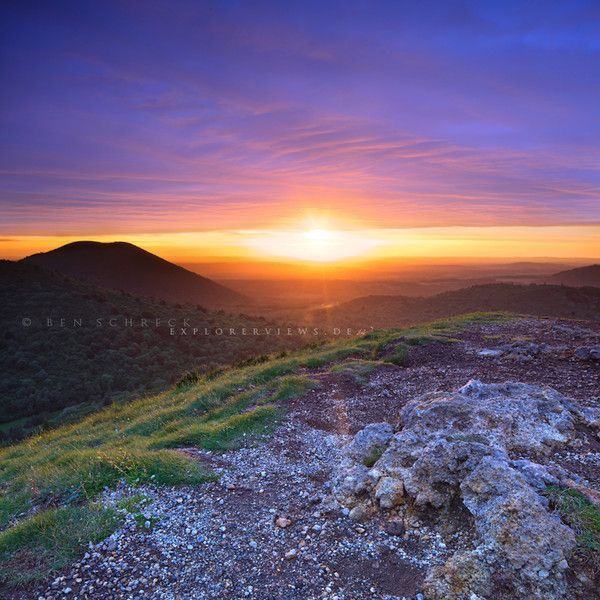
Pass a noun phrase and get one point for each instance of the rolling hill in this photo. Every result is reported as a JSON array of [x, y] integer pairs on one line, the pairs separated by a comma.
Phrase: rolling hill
[[397, 311], [123, 266], [582, 277]]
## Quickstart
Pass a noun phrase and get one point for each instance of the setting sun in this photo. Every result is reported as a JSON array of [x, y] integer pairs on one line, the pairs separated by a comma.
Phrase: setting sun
[[314, 245]]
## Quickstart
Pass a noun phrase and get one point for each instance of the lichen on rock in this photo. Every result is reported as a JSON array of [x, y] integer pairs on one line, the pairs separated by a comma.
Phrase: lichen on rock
[[484, 445]]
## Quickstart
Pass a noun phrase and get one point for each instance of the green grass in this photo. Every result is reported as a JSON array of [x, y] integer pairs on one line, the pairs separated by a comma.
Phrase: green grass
[[327, 356], [581, 514], [398, 356], [130, 442], [51, 540], [137, 442], [222, 434], [134, 505], [290, 387], [442, 330], [358, 369], [375, 455], [145, 522]]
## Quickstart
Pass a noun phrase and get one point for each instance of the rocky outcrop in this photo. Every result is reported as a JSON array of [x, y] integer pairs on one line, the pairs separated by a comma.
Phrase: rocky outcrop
[[485, 445], [523, 351]]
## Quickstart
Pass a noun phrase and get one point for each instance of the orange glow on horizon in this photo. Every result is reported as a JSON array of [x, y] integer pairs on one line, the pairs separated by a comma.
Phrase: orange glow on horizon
[[324, 242]]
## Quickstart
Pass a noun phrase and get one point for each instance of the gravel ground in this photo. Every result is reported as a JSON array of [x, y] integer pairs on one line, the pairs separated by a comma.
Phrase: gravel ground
[[266, 530], [269, 529]]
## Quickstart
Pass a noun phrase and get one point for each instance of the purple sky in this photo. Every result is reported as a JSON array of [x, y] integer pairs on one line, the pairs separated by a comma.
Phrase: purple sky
[[149, 116]]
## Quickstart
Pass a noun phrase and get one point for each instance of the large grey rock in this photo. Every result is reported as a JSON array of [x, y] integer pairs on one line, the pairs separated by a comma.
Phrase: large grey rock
[[535, 474], [483, 444], [516, 417]]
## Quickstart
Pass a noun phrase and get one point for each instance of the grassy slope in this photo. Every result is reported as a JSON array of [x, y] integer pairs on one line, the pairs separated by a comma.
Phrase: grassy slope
[[48, 483]]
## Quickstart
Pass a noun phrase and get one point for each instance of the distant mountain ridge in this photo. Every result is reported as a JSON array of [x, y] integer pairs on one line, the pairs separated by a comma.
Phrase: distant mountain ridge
[[581, 277], [532, 299], [126, 267]]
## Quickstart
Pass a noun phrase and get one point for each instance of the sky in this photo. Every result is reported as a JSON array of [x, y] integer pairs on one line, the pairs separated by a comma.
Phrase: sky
[[324, 129]]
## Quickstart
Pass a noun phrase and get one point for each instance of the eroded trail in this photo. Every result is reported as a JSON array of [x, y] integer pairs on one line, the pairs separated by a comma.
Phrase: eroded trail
[[269, 527]]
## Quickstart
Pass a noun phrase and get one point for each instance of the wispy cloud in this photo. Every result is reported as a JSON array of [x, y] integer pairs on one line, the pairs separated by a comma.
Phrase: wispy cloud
[[173, 117]]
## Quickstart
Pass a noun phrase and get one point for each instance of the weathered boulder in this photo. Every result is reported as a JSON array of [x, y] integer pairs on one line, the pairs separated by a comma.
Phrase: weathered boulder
[[362, 511], [515, 417], [483, 444], [535, 474]]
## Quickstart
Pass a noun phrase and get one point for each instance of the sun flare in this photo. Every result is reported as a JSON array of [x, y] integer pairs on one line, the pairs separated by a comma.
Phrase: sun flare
[[313, 245]]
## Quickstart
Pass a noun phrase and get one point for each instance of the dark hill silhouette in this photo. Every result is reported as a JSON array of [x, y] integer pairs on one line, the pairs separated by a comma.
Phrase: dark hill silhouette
[[123, 266], [396, 311], [582, 277]]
